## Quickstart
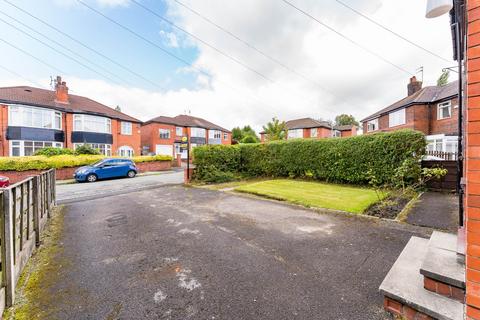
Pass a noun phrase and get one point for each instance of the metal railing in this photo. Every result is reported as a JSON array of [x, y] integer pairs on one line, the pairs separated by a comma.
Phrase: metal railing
[[24, 210]]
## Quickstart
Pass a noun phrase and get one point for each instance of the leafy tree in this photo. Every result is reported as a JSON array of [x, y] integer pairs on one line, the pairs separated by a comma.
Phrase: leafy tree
[[249, 139], [443, 79], [345, 119], [275, 130], [240, 134]]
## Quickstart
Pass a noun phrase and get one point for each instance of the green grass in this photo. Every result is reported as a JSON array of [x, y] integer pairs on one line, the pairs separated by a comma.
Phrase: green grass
[[314, 194]]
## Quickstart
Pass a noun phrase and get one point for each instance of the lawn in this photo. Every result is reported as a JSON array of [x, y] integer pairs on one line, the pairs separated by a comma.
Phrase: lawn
[[314, 194]]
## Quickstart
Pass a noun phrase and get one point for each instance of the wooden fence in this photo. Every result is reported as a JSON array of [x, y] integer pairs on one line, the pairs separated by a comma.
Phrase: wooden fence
[[446, 183], [443, 155], [24, 210]]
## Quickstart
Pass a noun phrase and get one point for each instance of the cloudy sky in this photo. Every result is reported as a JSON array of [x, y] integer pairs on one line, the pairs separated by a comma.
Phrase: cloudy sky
[[231, 62]]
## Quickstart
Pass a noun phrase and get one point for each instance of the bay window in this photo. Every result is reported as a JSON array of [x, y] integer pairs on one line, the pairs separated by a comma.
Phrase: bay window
[[20, 148], [125, 151], [198, 132], [26, 116], [88, 123], [214, 134]]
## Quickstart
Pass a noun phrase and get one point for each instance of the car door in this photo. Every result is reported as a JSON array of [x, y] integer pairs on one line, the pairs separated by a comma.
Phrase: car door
[[122, 168], [107, 170]]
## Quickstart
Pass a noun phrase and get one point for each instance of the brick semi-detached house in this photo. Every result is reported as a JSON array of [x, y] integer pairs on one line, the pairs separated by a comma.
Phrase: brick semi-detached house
[[432, 110], [34, 118], [163, 135], [310, 128]]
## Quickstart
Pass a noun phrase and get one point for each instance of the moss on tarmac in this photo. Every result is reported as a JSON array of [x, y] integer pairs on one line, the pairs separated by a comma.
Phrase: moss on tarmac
[[35, 295]]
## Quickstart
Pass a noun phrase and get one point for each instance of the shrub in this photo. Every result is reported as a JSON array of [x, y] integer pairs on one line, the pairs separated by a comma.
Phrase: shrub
[[85, 149], [213, 175], [52, 151], [345, 160], [61, 161]]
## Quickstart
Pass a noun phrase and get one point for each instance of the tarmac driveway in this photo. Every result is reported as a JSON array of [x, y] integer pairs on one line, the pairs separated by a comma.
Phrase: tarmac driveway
[[186, 253]]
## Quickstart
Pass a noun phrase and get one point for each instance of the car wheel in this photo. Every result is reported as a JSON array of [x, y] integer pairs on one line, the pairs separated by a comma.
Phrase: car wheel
[[131, 174], [91, 178]]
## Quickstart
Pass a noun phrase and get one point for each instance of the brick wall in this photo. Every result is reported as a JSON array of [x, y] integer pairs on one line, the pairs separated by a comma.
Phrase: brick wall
[[4, 146], [67, 173], [472, 163], [151, 136], [446, 126]]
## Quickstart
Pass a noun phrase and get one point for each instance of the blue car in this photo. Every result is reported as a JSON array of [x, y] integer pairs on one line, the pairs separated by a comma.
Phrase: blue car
[[106, 169]]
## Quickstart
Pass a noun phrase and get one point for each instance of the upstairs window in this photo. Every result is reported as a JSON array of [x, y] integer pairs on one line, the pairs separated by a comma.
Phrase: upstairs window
[[164, 133], [88, 123], [225, 136], [214, 134], [126, 128], [444, 110], [295, 133], [396, 118], [24, 116], [313, 132], [178, 131], [372, 125], [198, 132]]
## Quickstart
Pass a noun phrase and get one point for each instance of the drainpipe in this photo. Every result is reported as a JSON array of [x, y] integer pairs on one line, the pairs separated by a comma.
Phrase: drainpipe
[[460, 158]]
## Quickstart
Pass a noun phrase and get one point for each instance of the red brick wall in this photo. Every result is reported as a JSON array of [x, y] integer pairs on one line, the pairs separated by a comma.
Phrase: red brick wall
[[120, 140], [447, 126], [151, 137], [472, 163], [4, 146], [67, 173]]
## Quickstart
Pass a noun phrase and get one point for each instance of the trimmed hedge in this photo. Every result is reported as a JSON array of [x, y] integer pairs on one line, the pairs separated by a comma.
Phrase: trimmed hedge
[[344, 160], [62, 161]]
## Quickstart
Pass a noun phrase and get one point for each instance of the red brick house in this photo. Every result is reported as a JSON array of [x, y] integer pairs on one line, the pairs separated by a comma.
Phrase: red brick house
[[316, 129], [163, 135], [432, 110], [34, 118]]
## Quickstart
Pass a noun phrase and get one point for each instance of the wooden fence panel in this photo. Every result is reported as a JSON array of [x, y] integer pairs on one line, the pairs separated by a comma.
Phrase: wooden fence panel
[[446, 183]]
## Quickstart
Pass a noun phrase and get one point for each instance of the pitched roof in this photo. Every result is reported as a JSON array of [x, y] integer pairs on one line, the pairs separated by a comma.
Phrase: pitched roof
[[344, 127], [46, 98], [426, 95], [184, 120], [306, 123]]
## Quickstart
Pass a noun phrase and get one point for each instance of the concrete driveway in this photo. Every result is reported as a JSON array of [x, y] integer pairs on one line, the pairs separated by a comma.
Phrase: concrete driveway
[[184, 253], [68, 193]]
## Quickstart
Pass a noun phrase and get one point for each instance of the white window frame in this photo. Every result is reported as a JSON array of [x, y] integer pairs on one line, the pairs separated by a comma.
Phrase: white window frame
[[313, 133], [372, 123], [126, 128], [126, 151], [214, 134], [397, 118], [336, 134], [443, 105], [198, 132], [25, 112], [20, 144], [295, 133], [179, 131], [107, 150], [82, 118], [225, 136], [164, 133]]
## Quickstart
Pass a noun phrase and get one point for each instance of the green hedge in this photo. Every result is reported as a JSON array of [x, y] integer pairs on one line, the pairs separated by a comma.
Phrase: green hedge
[[345, 160], [61, 161]]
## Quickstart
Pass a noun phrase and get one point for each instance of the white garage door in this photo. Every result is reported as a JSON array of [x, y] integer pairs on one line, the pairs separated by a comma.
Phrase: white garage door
[[164, 149]]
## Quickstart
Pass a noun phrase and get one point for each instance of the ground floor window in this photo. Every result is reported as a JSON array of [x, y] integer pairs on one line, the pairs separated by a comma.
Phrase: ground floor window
[[105, 149], [20, 148], [441, 143], [125, 151]]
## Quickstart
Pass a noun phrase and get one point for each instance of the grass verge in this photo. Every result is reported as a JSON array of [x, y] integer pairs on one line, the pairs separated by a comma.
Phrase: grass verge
[[314, 194]]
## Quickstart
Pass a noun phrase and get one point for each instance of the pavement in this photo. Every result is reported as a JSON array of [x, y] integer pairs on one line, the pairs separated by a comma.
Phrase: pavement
[[74, 192], [436, 210], [175, 252]]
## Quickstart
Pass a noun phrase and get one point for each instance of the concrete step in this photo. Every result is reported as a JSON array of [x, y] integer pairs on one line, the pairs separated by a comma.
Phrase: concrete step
[[404, 284], [441, 263]]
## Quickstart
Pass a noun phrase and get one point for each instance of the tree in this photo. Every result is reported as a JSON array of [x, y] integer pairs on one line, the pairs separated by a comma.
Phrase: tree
[[443, 79], [275, 130], [345, 119], [241, 135]]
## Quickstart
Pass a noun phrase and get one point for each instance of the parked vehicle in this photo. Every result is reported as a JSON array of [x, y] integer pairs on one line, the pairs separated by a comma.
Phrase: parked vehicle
[[4, 182], [106, 169]]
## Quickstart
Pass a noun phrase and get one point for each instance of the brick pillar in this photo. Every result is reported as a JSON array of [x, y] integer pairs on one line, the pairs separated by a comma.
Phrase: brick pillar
[[187, 175], [472, 162], [179, 160]]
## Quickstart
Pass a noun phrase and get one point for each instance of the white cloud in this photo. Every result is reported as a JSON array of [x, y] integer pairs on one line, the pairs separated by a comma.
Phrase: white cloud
[[361, 83], [170, 39]]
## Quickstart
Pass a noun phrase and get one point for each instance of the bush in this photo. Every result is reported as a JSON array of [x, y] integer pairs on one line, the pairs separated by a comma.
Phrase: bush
[[345, 160], [85, 149], [61, 161], [52, 151], [213, 175]]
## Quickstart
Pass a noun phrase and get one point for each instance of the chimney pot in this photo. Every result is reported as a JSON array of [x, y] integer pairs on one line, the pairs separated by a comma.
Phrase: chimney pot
[[414, 86], [61, 91]]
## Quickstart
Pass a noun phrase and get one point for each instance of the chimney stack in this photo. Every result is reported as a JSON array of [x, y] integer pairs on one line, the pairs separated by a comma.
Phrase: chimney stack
[[61, 91], [414, 86]]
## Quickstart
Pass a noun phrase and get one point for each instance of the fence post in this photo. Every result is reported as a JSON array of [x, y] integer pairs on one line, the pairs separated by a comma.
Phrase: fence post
[[54, 187], [9, 238], [36, 208]]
